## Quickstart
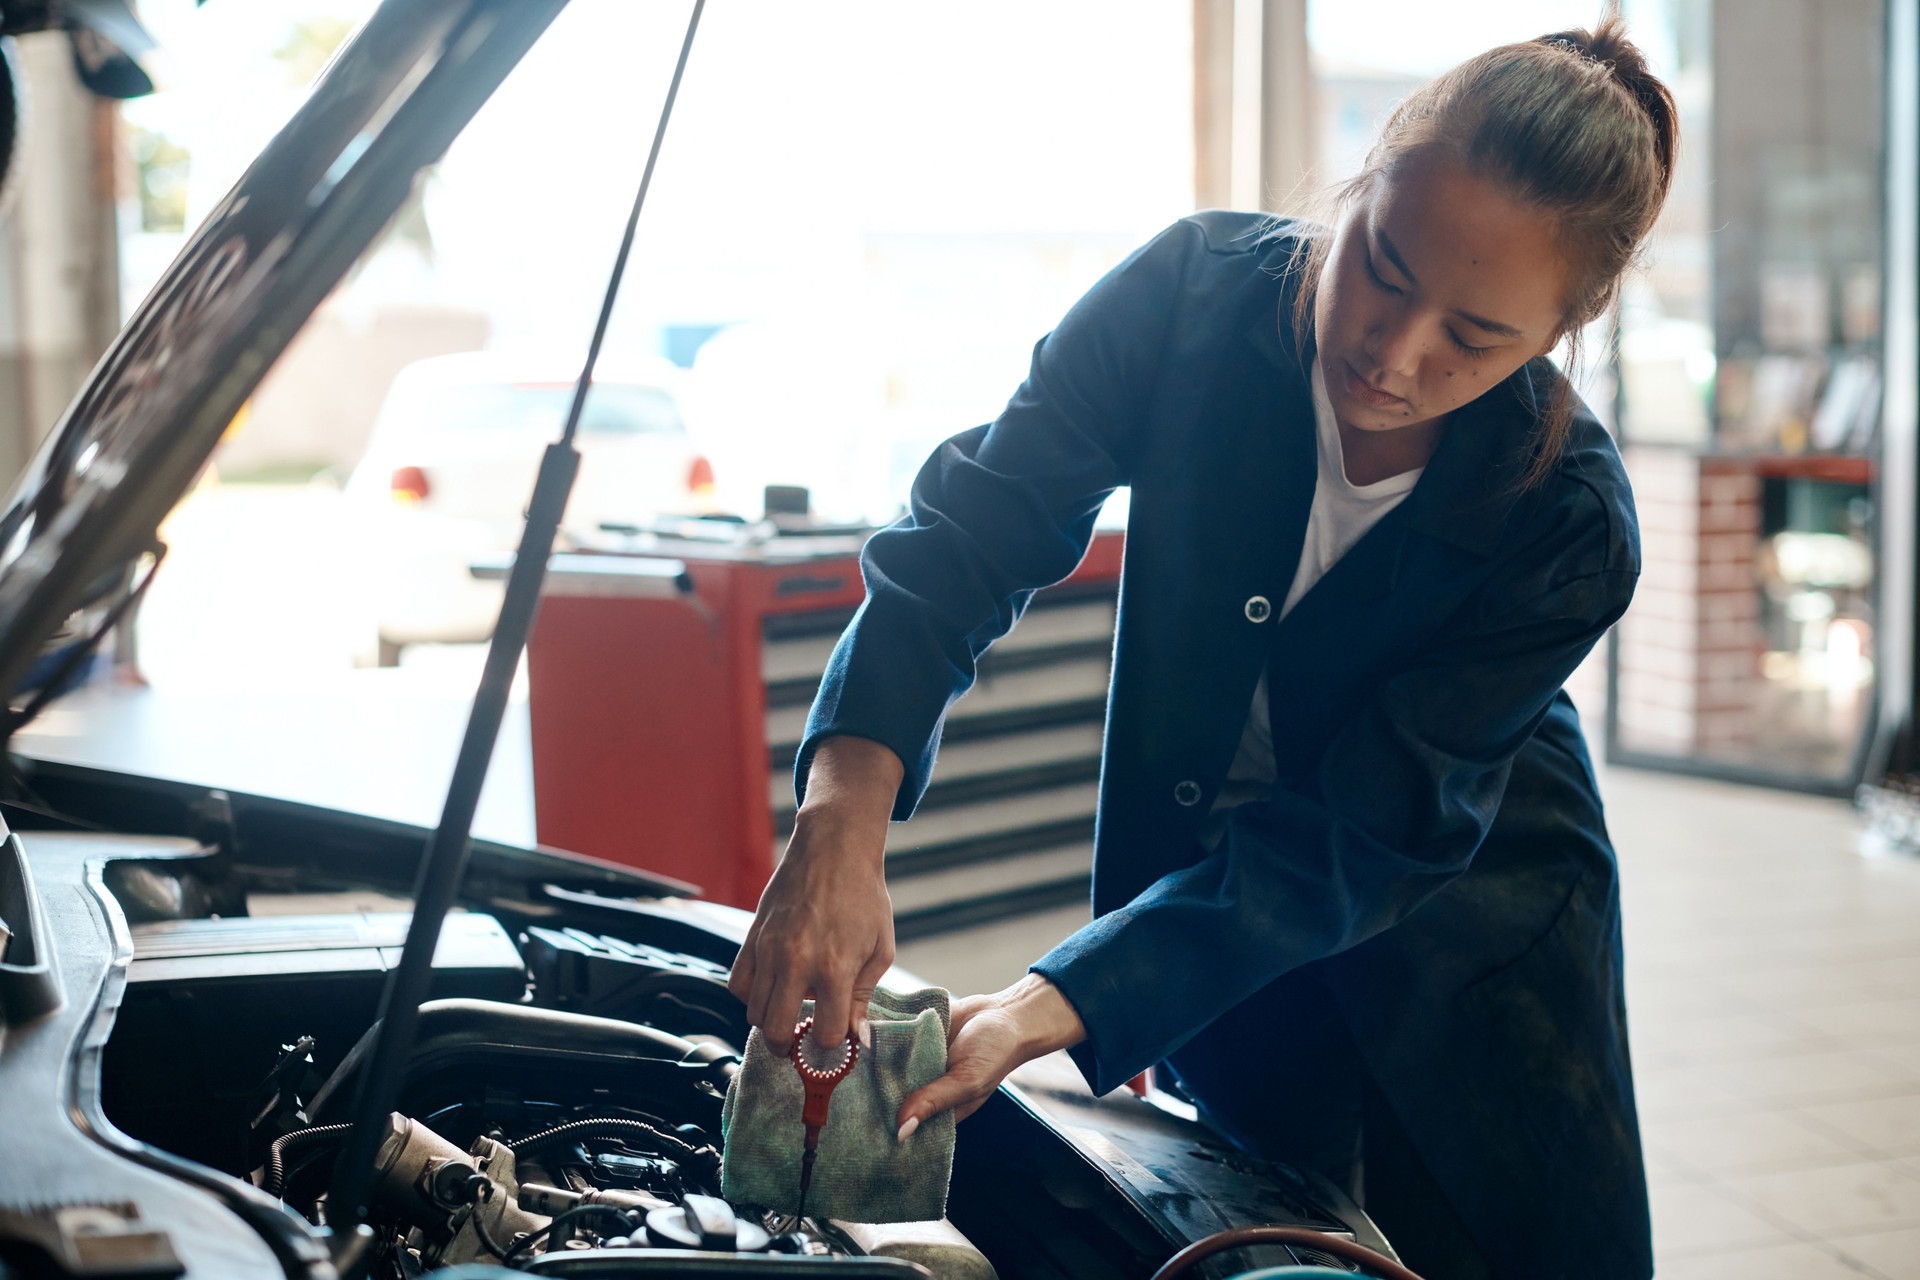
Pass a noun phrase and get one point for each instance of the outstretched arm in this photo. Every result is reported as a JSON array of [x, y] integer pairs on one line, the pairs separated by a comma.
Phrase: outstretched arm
[[996, 513]]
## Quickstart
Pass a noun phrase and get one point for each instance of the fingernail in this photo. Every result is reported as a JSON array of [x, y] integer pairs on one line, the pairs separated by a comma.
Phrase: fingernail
[[866, 1034], [906, 1130]]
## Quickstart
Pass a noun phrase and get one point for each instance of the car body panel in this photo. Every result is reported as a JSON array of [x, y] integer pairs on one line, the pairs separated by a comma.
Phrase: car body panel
[[71, 1181]]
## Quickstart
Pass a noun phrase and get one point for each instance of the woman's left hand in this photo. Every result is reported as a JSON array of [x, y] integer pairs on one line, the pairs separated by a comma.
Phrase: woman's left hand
[[989, 1036]]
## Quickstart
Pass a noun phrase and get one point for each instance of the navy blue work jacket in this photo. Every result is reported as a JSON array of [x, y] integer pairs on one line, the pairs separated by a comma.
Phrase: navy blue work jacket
[[1433, 845]]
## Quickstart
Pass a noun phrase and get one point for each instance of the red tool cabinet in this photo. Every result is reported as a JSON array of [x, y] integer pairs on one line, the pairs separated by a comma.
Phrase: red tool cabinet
[[668, 693]]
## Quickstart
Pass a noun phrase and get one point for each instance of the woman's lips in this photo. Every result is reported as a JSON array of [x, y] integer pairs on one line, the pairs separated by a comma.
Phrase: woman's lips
[[1357, 388]]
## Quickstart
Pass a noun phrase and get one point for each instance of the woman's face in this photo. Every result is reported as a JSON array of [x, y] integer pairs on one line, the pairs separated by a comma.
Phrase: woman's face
[[1438, 285]]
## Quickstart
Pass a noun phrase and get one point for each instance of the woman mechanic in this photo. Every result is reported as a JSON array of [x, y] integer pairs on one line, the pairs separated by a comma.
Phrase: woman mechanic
[[1352, 883]]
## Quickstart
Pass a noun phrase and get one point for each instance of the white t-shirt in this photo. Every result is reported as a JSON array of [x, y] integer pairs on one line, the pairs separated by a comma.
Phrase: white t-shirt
[[1341, 515]]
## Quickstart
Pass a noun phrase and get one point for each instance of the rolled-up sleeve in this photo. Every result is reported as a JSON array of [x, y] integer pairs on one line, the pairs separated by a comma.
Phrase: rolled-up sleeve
[[996, 513], [1398, 804]]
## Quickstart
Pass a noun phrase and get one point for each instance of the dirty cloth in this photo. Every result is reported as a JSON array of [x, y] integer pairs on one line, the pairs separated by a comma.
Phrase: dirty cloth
[[862, 1174]]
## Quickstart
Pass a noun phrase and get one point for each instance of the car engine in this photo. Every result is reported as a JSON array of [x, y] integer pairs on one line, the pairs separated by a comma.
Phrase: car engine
[[562, 1100]]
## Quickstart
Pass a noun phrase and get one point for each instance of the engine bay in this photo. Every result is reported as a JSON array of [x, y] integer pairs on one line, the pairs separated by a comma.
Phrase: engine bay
[[182, 1029], [562, 1098]]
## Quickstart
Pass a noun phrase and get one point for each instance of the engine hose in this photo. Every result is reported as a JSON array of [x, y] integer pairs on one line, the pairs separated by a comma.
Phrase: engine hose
[[613, 1126], [277, 1150], [1377, 1264]]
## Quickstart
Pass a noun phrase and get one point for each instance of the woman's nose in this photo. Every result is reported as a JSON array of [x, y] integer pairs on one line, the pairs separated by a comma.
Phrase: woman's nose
[[1395, 345]]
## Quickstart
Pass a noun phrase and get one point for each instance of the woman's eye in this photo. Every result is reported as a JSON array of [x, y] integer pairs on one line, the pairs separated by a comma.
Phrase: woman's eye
[[1466, 349], [1375, 277]]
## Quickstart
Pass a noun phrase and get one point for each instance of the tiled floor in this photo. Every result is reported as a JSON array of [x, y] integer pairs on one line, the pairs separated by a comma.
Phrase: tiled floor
[[1774, 997]]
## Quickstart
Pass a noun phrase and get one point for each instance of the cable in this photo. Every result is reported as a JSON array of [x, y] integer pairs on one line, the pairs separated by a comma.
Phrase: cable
[[297, 1169], [275, 1180], [605, 1126], [1382, 1267], [485, 1190], [702, 1162], [486, 1240]]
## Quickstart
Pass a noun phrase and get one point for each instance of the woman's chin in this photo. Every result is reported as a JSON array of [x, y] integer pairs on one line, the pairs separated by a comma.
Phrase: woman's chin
[[1365, 417]]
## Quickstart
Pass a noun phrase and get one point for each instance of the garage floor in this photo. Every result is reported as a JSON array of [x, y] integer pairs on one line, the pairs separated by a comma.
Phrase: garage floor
[[1774, 1000], [1774, 974]]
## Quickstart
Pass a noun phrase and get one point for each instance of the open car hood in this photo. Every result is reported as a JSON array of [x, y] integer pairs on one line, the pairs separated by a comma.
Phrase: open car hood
[[87, 506]]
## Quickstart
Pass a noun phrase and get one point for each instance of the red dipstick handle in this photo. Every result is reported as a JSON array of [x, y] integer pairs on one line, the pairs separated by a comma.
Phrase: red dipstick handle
[[818, 1079]]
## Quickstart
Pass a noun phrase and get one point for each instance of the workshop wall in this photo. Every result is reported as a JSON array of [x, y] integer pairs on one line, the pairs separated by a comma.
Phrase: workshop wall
[[59, 268]]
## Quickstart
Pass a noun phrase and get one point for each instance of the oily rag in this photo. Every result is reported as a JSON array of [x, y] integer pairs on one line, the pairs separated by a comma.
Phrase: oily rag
[[862, 1174]]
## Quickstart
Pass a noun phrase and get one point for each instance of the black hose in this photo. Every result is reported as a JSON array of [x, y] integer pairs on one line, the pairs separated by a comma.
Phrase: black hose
[[276, 1173], [486, 1239], [614, 1126], [478, 1218]]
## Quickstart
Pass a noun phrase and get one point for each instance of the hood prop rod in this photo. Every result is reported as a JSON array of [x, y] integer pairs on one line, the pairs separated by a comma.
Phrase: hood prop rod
[[445, 862]]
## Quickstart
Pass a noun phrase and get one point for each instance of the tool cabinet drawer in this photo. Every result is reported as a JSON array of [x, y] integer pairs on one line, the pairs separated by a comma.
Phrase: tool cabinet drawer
[[666, 729]]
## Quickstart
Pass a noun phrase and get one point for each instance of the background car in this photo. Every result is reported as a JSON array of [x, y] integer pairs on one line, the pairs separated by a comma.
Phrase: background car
[[451, 462]]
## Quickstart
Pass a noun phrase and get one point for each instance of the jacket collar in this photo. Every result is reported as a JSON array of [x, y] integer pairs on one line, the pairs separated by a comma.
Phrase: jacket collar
[[1474, 478]]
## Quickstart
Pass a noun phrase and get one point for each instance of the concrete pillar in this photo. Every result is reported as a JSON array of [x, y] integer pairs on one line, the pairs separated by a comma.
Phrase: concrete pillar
[[1212, 104], [1289, 100], [1253, 104], [59, 261]]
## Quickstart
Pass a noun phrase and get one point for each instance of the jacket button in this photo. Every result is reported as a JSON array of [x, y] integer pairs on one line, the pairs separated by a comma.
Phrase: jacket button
[[1259, 609], [1187, 793]]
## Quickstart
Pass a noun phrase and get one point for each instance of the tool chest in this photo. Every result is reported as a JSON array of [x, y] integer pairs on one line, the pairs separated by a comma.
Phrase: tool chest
[[669, 694]]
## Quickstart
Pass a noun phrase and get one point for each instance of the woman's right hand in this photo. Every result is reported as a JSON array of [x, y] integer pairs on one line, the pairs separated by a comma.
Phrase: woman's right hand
[[824, 927]]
